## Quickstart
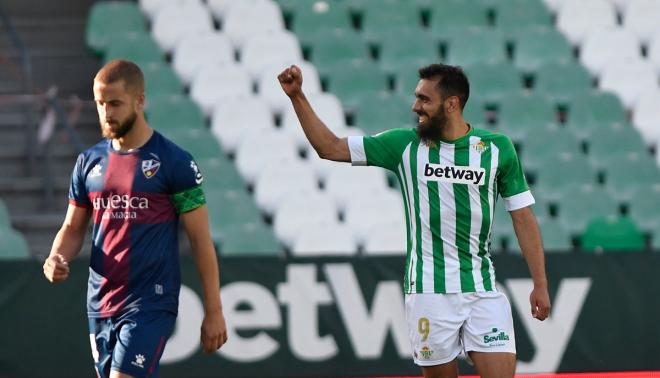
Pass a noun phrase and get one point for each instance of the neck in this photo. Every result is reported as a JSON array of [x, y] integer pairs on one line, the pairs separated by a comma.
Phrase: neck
[[455, 129], [137, 137]]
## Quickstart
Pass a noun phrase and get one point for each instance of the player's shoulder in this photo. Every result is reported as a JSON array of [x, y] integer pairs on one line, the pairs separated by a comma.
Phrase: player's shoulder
[[100, 149], [398, 135], [168, 149], [500, 140]]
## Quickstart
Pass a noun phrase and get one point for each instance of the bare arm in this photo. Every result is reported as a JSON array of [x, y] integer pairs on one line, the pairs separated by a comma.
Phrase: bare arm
[[325, 142], [214, 330], [67, 243], [529, 238]]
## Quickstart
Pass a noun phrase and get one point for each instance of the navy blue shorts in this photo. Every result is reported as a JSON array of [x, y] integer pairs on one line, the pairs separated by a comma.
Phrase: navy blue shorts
[[131, 343]]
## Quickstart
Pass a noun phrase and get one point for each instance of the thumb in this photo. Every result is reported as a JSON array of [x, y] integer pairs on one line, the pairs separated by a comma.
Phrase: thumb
[[535, 308], [61, 259], [295, 71]]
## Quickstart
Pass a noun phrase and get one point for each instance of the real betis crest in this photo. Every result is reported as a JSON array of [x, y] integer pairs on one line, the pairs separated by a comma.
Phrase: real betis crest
[[480, 146], [150, 167]]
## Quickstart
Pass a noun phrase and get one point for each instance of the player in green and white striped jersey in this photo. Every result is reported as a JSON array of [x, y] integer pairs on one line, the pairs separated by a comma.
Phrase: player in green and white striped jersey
[[450, 176]]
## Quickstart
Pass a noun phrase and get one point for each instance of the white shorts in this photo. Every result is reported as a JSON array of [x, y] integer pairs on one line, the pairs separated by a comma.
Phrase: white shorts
[[441, 326]]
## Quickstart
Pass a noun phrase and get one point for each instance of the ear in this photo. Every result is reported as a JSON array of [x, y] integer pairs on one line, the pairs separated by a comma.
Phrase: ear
[[139, 100], [453, 104]]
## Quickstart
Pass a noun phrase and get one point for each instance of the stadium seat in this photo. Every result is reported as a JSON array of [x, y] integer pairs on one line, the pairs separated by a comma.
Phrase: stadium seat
[[537, 46], [348, 182], [602, 46], [236, 117], [106, 17], [389, 238], [653, 53], [176, 20], [160, 79], [259, 147], [594, 112], [351, 82], [137, 47], [5, 218], [151, 7], [502, 233], [644, 207], [246, 18], [555, 238], [197, 50], [326, 106], [623, 177], [379, 16], [378, 112], [521, 12], [335, 47], [332, 239], [216, 83], [363, 215], [270, 90], [543, 144], [199, 142], [613, 143], [476, 46], [311, 17], [13, 245], [641, 17], [578, 18], [406, 81], [248, 239], [628, 78], [220, 174], [293, 213], [575, 81], [475, 111], [612, 234], [408, 49], [521, 113], [447, 16], [219, 8], [646, 115], [621, 5], [492, 82], [275, 180], [173, 112], [323, 168], [565, 170], [230, 207], [262, 50], [581, 204]]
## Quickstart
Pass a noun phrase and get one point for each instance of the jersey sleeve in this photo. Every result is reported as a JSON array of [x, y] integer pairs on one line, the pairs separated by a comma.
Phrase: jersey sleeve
[[381, 150], [186, 184], [511, 179], [77, 188]]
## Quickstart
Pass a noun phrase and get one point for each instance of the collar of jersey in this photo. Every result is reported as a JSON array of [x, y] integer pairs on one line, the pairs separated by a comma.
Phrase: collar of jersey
[[134, 150], [460, 139]]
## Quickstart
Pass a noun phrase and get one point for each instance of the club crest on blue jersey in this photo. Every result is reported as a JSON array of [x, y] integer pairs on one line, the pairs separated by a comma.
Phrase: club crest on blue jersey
[[150, 167]]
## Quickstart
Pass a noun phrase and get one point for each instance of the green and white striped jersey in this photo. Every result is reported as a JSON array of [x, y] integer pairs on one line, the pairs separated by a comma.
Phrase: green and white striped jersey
[[449, 193]]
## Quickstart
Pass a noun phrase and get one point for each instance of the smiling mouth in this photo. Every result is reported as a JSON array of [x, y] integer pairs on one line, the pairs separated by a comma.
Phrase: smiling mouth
[[422, 118]]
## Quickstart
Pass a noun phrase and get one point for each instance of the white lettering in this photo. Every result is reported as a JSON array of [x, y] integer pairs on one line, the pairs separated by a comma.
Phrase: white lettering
[[455, 174], [116, 201]]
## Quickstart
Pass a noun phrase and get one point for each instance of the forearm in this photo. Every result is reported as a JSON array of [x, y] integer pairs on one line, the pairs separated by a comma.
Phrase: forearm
[[68, 242], [529, 238], [207, 266], [323, 140]]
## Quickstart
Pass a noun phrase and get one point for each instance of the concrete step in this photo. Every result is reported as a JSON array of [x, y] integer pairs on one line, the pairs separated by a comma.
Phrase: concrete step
[[24, 196], [40, 230]]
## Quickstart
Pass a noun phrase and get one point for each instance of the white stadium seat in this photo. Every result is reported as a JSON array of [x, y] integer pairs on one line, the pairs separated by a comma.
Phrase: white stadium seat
[[646, 114], [197, 50], [174, 21], [269, 87], [642, 17], [654, 50], [235, 117], [388, 238], [627, 78], [620, 5], [276, 180], [257, 148], [327, 108], [347, 182], [577, 19], [553, 5], [215, 83], [602, 46], [361, 213], [324, 240], [219, 8], [293, 213], [251, 17], [262, 50]]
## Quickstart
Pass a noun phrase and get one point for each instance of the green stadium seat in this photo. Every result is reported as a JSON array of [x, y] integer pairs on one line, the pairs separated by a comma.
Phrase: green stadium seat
[[5, 218], [542, 145], [562, 81], [328, 49], [407, 50], [565, 170], [448, 16], [160, 79], [249, 239], [476, 46], [644, 208], [13, 245], [625, 176], [655, 240], [406, 82], [382, 15], [383, 111], [555, 237], [475, 111], [612, 234], [592, 112], [174, 112], [200, 143], [583, 203], [311, 17], [230, 207], [521, 12], [106, 18], [140, 48], [351, 82], [612, 143], [492, 82], [220, 174], [522, 113], [537, 46]]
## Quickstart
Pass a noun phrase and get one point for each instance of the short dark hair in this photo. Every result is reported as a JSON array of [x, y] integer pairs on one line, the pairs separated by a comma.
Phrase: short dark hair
[[451, 81], [117, 70]]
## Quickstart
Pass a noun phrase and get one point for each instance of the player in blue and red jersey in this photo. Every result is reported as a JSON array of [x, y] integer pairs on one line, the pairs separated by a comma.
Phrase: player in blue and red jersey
[[135, 185]]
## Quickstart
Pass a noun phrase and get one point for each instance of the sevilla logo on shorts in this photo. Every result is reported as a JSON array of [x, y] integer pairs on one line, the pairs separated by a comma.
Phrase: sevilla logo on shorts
[[150, 167]]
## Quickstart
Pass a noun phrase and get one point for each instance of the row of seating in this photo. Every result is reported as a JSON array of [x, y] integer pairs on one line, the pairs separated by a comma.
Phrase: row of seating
[[12, 243]]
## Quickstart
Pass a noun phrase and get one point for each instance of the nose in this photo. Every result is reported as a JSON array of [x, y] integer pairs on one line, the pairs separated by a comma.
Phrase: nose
[[416, 107]]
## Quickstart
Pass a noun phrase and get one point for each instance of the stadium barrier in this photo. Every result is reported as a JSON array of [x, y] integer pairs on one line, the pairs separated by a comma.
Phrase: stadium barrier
[[343, 317]]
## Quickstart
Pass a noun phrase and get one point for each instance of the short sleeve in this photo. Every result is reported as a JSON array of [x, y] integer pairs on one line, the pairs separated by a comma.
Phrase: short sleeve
[[77, 188], [511, 179], [186, 184], [381, 150]]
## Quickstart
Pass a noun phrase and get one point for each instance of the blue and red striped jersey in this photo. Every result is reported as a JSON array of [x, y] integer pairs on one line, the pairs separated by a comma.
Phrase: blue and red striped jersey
[[136, 198]]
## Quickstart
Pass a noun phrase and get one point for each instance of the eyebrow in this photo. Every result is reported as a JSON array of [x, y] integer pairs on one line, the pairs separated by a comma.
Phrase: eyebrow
[[422, 96]]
